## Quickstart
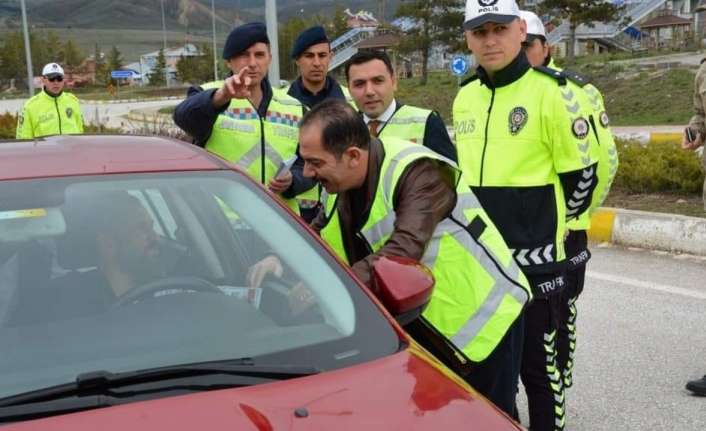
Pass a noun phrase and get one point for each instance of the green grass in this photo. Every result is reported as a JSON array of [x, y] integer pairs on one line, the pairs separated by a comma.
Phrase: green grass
[[167, 110], [647, 98], [437, 95]]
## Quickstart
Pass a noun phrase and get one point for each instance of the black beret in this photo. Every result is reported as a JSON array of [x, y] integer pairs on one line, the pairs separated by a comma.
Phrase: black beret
[[310, 36], [243, 37]]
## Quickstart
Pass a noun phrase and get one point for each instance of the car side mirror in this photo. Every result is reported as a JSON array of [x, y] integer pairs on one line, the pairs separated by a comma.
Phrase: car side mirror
[[404, 286]]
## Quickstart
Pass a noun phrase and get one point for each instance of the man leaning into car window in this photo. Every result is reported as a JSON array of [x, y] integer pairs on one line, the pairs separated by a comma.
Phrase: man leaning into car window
[[403, 199]]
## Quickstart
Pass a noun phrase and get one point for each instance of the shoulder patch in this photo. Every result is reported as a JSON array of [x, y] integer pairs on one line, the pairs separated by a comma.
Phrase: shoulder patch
[[556, 74], [468, 80], [574, 77]]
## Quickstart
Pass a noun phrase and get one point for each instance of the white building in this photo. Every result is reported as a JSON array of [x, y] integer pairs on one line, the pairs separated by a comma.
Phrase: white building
[[172, 56]]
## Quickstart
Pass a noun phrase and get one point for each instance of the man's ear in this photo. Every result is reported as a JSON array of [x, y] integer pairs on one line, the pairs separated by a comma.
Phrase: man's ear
[[354, 155]]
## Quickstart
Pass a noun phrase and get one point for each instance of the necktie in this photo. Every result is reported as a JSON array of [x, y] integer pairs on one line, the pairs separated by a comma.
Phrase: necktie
[[373, 127]]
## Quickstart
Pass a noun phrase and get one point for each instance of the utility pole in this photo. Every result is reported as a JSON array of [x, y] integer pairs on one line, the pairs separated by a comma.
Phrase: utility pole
[[271, 19], [164, 43], [213, 23], [28, 51]]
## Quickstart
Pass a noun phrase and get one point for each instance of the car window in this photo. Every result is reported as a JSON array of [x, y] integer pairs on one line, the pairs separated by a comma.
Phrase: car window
[[131, 272]]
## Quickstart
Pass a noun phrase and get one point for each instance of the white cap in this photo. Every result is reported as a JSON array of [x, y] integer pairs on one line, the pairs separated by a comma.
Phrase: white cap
[[478, 12], [52, 69], [535, 27]]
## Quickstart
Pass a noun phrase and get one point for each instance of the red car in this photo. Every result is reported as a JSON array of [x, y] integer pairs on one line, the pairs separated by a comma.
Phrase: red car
[[130, 299]]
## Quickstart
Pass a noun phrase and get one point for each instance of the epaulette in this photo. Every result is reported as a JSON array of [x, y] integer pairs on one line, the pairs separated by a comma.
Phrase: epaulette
[[577, 79], [469, 80], [556, 74]]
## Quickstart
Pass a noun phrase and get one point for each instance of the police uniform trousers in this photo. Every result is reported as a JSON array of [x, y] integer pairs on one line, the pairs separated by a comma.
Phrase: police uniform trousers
[[539, 371], [576, 246]]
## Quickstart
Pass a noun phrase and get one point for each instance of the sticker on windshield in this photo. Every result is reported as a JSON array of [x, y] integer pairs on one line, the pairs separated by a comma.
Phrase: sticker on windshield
[[31, 213]]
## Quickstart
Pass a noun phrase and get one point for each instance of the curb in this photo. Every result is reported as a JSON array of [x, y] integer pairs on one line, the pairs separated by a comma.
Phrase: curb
[[646, 137], [108, 102], [141, 116], [655, 231]]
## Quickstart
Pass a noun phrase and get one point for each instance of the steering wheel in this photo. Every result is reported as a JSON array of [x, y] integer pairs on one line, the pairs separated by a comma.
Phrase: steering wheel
[[179, 283]]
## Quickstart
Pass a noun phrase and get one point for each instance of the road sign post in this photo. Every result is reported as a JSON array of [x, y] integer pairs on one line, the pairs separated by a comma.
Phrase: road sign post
[[117, 75], [459, 67]]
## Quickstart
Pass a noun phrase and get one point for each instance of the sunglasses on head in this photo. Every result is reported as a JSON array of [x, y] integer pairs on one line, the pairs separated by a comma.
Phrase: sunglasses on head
[[56, 79]]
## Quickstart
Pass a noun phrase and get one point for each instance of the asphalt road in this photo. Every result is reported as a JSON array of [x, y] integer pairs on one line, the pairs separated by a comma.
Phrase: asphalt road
[[641, 336]]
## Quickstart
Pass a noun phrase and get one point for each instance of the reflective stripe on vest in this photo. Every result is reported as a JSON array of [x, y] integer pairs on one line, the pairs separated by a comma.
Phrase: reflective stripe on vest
[[408, 122]]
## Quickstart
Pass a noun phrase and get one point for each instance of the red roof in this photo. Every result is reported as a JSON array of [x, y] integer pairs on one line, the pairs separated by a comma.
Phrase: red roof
[[100, 154]]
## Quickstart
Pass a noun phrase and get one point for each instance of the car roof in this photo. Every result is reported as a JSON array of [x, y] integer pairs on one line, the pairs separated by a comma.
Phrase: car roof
[[68, 155]]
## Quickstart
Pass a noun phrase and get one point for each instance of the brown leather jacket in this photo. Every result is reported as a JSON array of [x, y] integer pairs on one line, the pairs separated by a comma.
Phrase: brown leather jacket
[[423, 198]]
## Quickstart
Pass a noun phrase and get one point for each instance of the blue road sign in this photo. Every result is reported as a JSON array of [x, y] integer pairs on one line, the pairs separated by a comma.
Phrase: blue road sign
[[459, 65], [119, 74]]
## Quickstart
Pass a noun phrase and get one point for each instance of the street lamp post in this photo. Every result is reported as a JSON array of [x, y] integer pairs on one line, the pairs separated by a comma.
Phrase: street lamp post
[[213, 23], [28, 51], [164, 43], [271, 19]]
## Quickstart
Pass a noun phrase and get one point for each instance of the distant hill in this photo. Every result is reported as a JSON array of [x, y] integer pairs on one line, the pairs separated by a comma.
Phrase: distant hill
[[180, 15]]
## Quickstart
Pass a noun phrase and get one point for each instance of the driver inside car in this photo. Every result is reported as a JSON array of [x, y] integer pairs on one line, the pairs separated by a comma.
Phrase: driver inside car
[[124, 246], [115, 235]]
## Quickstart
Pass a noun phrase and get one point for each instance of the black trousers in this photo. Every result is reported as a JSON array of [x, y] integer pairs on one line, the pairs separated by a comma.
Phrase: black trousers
[[539, 372], [577, 253], [496, 378]]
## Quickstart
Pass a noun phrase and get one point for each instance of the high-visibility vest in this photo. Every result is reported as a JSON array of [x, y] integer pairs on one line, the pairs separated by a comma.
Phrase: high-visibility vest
[[408, 123], [44, 115], [480, 290], [258, 145], [513, 142]]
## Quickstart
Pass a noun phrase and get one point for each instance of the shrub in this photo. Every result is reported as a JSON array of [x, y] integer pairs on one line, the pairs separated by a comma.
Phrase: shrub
[[8, 125], [658, 167]]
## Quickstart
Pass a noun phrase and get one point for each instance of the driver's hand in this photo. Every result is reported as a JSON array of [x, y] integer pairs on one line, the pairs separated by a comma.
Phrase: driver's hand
[[258, 272], [300, 298]]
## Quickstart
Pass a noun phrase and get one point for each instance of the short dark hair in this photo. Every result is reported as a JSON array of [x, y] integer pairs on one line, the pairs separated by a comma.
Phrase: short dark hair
[[341, 126], [361, 57]]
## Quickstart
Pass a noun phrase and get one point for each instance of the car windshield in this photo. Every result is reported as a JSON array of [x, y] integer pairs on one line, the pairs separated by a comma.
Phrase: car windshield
[[132, 272]]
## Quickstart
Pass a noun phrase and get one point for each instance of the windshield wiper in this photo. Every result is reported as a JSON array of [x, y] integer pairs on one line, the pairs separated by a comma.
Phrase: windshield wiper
[[104, 382]]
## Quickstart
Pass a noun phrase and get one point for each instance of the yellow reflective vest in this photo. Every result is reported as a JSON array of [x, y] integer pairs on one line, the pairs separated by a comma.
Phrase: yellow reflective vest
[[44, 115], [513, 142], [479, 291], [259, 145], [408, 122]]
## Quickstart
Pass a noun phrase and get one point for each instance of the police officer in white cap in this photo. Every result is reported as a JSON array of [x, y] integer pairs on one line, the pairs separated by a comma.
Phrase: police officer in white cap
[[52, 111], [524, 147]]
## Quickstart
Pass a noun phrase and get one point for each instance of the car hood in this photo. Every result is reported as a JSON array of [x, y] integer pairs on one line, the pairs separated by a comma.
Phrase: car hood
[[404, 391]]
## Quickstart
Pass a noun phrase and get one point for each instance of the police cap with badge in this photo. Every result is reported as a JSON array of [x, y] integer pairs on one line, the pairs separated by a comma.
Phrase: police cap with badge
[[52, 70], [243, 37], [479, 12]]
